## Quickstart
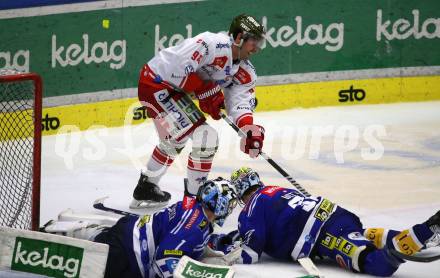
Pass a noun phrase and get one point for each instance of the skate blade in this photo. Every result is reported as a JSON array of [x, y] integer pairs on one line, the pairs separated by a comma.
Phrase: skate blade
[[144, 204]]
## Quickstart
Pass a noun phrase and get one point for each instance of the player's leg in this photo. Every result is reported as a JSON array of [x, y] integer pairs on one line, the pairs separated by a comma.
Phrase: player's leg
[[409, 241], [147, 192], [204, 147], [175, 117], [121, 260], [341, 240]]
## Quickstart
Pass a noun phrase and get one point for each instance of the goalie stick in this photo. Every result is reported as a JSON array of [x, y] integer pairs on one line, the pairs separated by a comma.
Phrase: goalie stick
[[275, 165], [99, 204]]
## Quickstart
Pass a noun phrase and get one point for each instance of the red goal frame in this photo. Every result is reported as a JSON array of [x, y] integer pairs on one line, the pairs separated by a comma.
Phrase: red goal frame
[[38, 102]]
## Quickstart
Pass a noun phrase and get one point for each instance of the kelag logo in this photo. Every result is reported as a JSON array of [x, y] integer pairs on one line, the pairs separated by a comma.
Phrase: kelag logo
[[46, 258], [193, 270], [351, 95], [18, 60], [100, 52]]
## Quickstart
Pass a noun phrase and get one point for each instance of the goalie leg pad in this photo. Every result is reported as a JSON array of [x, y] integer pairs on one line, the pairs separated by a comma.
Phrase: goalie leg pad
[[76, 229]]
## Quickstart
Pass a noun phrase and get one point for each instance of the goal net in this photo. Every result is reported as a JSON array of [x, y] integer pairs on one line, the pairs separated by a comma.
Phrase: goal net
[[20, 149]]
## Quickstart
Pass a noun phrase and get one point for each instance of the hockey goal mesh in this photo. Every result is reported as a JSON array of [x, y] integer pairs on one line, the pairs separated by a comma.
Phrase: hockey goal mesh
[[20, 149]]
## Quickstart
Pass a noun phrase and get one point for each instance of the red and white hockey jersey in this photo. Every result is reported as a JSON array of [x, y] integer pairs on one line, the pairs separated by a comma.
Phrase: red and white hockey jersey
[[210, 56]]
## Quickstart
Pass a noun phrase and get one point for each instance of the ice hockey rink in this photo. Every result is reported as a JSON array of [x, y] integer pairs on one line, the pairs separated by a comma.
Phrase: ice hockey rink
[[380, 161]]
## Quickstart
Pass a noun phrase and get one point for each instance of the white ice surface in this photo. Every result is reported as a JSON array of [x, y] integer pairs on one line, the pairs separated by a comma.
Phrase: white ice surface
[[399, 189]]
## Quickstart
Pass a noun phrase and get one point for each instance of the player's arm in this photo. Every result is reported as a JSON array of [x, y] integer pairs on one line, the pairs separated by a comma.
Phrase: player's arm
[[240, 103], [252, 246], [196, 53]]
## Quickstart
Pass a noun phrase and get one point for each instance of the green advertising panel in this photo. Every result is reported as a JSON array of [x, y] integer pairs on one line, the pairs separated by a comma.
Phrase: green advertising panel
[[104, 49]]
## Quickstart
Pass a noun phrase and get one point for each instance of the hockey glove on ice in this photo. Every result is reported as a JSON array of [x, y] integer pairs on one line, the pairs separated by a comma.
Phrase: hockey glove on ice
[[252, 144], [211, 99]]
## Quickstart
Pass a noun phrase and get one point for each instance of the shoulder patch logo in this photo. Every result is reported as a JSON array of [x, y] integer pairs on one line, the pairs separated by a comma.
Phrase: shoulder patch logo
[[219, 62], [144, 220], [188, 202], [243, 76], [271, 190]]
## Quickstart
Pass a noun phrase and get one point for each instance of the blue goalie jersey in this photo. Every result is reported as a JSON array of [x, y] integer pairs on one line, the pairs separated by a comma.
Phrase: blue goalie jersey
[[282, 223], [159, 241]]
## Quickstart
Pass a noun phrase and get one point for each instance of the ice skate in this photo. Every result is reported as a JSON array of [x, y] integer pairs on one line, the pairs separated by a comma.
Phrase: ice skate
[[148, 194]]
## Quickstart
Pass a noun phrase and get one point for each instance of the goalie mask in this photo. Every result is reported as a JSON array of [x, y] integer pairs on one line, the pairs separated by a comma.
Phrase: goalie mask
[[219, 197], [250, 29], [244, 179]]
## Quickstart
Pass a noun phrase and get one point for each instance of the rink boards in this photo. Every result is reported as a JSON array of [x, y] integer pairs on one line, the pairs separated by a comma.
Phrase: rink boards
[[270, 98]]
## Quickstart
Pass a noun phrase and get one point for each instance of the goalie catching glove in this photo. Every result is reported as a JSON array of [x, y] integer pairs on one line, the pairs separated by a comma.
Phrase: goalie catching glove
[[211, 256]]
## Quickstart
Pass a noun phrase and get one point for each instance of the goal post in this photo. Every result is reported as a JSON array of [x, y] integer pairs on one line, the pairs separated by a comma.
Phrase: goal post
[[20, 149]]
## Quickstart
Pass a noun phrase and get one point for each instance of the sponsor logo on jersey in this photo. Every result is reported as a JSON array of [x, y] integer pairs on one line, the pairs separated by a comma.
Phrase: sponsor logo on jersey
[[203, 224], [324, 210], [345, 246], [172, 212], [189, 69], [178, 122], [177, 76], [242, 107], [173, 252], [219, 62], [248, 236], [205, 45], [144, 220], [375, 235], [406, 243], [242, 76], [46, 258], [171, 264], [228, 71], [271, 190], [253, 102], [329, 241], [222, 45], [193, 218], [188, 202], [356, 236]]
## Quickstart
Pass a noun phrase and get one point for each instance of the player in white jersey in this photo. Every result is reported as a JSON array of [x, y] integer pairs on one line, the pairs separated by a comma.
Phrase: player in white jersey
[[206, 66]]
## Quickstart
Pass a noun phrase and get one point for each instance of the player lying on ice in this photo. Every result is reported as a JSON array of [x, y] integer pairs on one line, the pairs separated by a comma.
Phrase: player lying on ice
[[205, 66], [151, 245], [285, 225]]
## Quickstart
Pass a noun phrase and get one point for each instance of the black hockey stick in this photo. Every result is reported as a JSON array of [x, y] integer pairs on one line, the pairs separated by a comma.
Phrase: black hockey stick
[[420, 257], [99, 204], [275, 165], [267, 158]]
